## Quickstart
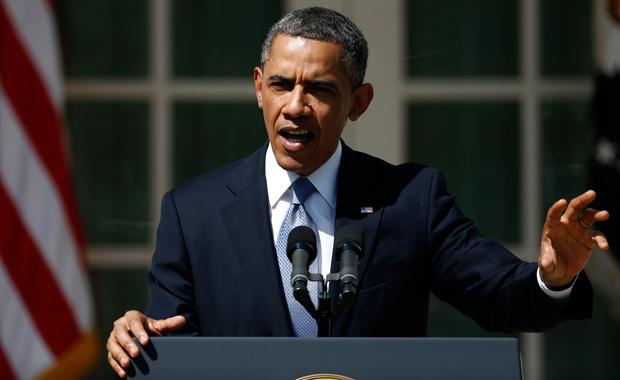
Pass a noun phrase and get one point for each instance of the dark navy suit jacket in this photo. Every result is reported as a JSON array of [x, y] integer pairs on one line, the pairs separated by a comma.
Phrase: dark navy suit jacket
[[215, 260]]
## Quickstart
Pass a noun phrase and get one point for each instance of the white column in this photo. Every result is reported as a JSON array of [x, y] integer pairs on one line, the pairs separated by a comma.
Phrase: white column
[[160, 131], [381, 131], [533, 345]]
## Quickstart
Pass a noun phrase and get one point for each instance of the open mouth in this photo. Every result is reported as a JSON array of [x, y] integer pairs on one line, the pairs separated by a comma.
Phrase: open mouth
[[299, 136]]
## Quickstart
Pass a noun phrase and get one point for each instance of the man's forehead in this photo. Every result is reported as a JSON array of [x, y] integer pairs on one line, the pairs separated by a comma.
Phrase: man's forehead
[[301, 39], [290, 53], [284, 41], [295, 42]]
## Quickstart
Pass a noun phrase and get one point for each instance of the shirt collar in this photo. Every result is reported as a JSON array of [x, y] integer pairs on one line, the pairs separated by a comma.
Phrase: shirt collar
[[324, 178]]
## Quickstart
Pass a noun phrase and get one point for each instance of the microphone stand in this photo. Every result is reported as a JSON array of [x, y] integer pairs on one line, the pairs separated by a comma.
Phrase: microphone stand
[[324, 320], [349, 248], [324, 315]]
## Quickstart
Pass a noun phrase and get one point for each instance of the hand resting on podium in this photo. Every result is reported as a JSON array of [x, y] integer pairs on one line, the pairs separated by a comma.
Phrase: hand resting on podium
[[136, 324]]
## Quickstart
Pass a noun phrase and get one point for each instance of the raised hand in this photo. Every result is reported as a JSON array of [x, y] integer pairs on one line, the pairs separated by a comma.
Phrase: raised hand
[[567, 241]]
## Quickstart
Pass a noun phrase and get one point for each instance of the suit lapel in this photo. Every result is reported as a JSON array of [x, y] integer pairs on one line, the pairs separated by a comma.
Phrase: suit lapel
[[248, 225], [358, 186]]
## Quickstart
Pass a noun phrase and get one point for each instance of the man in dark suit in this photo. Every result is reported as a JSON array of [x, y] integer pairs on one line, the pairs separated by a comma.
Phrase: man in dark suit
[[215, 270]]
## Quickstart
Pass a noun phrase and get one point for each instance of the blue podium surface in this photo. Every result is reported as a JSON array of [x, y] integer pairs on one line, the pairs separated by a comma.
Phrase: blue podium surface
[[356, 358]]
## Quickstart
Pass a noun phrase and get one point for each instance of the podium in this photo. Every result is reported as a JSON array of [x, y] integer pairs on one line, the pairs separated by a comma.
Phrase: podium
[[355, 358]]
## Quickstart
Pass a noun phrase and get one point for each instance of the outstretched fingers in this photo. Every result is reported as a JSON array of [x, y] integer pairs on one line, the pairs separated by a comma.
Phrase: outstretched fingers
[[576, 206], [554, 215], [600, 240], [567, 241], [590, 216]]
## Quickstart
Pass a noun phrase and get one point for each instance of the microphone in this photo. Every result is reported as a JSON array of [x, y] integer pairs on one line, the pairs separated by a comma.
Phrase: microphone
[[349, 247], [301, 250]]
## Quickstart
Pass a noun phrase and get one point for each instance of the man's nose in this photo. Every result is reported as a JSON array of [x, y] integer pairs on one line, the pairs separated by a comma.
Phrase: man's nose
[[296, 105]]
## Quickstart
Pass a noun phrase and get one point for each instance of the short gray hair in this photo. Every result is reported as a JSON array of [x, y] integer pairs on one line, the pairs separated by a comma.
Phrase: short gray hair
[[324, 24]]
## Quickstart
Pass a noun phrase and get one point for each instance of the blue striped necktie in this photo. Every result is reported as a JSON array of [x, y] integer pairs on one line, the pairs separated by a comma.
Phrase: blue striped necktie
[[303, 323]]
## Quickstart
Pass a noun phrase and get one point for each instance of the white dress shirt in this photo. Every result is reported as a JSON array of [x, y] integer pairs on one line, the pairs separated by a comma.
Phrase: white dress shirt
[[321, 204]]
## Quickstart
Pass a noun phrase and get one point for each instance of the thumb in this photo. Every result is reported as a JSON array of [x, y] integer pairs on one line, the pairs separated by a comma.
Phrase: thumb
[[164, 327], [174, 323]]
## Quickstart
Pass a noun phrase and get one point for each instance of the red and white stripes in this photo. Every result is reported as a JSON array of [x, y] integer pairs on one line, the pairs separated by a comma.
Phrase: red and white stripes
[[46, 313]]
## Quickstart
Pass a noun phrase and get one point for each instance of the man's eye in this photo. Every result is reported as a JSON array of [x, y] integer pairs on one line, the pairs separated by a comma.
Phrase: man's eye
[[322, 89], [280, 85]]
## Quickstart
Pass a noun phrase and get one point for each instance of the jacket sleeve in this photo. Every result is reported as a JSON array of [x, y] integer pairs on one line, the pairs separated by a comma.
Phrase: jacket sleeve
[[486, 282], [171, 280]]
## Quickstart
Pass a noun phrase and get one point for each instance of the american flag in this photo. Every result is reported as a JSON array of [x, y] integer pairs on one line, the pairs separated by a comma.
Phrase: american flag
[[46, 312]]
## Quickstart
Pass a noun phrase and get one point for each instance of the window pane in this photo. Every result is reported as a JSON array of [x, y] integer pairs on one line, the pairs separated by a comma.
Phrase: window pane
[[109, 145], [477, 147], [462, 38], [210, 135], [585, 349], [221, 38], [566, 139], [103, 38], [566, 37], [446, 321]]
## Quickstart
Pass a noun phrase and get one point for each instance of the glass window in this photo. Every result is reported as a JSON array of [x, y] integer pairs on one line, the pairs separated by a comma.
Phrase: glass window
[[110, 166], [585, 349], [220, 38], [477, 147], [566, 146], [566, 38], [103, 38], [446, 321], [462, 38], [210, 135]]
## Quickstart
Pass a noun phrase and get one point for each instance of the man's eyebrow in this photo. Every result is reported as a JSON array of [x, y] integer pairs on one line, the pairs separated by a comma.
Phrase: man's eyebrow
[[313, 82], [279, 78], [322, 83]]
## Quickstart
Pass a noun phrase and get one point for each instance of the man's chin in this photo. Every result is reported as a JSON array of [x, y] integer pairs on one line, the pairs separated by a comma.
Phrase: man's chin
[[293, 165]]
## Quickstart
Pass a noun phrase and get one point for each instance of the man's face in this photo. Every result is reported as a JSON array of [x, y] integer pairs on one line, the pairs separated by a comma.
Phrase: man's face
[[306, 100]]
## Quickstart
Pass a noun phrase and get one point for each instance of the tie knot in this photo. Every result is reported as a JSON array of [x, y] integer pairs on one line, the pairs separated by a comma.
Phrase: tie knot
[[302, 188]]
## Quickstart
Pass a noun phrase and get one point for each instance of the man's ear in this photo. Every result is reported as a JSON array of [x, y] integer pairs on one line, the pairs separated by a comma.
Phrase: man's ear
[[258, 83], [361, 100]]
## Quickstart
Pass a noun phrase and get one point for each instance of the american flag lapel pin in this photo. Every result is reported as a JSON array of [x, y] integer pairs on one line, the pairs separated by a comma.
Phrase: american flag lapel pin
[[366, 210]]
